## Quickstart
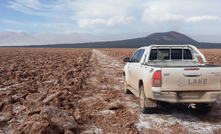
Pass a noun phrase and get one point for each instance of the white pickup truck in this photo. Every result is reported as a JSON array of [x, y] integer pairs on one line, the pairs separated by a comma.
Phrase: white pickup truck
[[173, 74]]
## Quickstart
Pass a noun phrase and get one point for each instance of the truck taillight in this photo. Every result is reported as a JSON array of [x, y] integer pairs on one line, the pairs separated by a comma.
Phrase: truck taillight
[[156, 79]]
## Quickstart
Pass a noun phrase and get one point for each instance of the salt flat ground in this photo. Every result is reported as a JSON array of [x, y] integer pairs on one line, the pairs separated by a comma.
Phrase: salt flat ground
[[81, 91]]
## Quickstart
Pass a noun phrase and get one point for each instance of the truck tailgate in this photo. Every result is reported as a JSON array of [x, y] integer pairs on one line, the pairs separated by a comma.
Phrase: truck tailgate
[[191, 79]]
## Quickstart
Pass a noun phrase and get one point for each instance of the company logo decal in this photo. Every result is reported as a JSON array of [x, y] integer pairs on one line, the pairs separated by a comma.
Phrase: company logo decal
[[182, 82], [191, 82]]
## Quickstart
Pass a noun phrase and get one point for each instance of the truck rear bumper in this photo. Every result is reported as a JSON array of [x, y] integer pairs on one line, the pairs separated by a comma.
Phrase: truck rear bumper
[[173, 97]]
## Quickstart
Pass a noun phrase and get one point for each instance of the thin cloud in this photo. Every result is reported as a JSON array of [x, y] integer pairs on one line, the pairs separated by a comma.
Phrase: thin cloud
[[7, 21], [110, 22], [203, 18], [34, 7], [175, 17], [13, 30]]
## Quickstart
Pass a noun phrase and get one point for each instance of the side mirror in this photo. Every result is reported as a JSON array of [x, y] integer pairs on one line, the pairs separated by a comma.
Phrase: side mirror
[[127, 59]]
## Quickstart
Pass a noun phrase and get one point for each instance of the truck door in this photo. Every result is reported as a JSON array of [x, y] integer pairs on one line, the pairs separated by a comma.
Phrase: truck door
[[131, 68], [135, 69]]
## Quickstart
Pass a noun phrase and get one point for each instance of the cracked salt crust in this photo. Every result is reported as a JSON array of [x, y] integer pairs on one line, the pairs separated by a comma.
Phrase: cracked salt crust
[[98, 96], [117, 87], [17, 109], [107, 112], [7, 87], [132, 105], [92, 130], [193, 124]]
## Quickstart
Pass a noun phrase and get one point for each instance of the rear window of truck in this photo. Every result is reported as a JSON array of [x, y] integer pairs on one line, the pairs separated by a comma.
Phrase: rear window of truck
[[173, 54]]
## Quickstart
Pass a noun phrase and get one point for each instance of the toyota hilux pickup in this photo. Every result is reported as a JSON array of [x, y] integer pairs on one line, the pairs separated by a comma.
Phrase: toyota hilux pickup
[[172, 74]]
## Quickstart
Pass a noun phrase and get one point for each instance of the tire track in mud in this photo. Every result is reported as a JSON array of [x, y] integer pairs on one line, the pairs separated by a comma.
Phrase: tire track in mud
[[115, 112]]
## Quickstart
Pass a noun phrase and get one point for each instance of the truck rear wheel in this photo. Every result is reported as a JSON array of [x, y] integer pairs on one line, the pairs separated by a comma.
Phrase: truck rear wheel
[[203, 108], [125, 86], [142, 100]]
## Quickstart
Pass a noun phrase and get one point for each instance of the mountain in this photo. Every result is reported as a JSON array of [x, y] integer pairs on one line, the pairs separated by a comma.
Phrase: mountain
[[16, 39], [170, 36], [43, 38], [11, 37], [96, 42]]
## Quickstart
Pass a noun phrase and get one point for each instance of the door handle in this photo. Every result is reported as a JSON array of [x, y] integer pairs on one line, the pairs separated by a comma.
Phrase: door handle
[[192, 74]]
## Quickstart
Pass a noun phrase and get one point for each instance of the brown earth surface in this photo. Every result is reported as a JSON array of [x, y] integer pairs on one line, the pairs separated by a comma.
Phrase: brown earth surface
[[81, 91]]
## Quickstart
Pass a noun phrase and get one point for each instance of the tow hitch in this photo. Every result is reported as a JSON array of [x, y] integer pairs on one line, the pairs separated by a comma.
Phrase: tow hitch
[[192, 105]]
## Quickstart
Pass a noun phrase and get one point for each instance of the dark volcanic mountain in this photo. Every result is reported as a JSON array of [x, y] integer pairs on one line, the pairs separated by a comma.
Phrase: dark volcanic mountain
[[169, 36], [173, 38]]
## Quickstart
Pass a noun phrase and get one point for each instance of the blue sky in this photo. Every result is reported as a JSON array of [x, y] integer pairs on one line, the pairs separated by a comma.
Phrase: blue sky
[[98, 17]]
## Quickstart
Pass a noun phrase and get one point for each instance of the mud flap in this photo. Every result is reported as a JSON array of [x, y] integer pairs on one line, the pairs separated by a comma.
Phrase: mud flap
[[150, 103]]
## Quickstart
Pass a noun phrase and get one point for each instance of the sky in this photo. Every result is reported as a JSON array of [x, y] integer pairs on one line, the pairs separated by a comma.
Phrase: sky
[[99, 17]]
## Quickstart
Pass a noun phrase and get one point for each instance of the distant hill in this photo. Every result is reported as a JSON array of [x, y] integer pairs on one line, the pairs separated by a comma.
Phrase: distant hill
[[22, 38], [11, 37], [169, 36], [155, 38], [43, 38]]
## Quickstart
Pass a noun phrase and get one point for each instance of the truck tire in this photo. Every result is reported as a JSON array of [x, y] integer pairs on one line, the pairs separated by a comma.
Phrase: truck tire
[[125, 86], [142, 100], [202, 108]]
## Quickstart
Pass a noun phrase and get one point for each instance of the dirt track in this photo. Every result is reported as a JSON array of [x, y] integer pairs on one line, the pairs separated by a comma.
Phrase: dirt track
[[81, 91]]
